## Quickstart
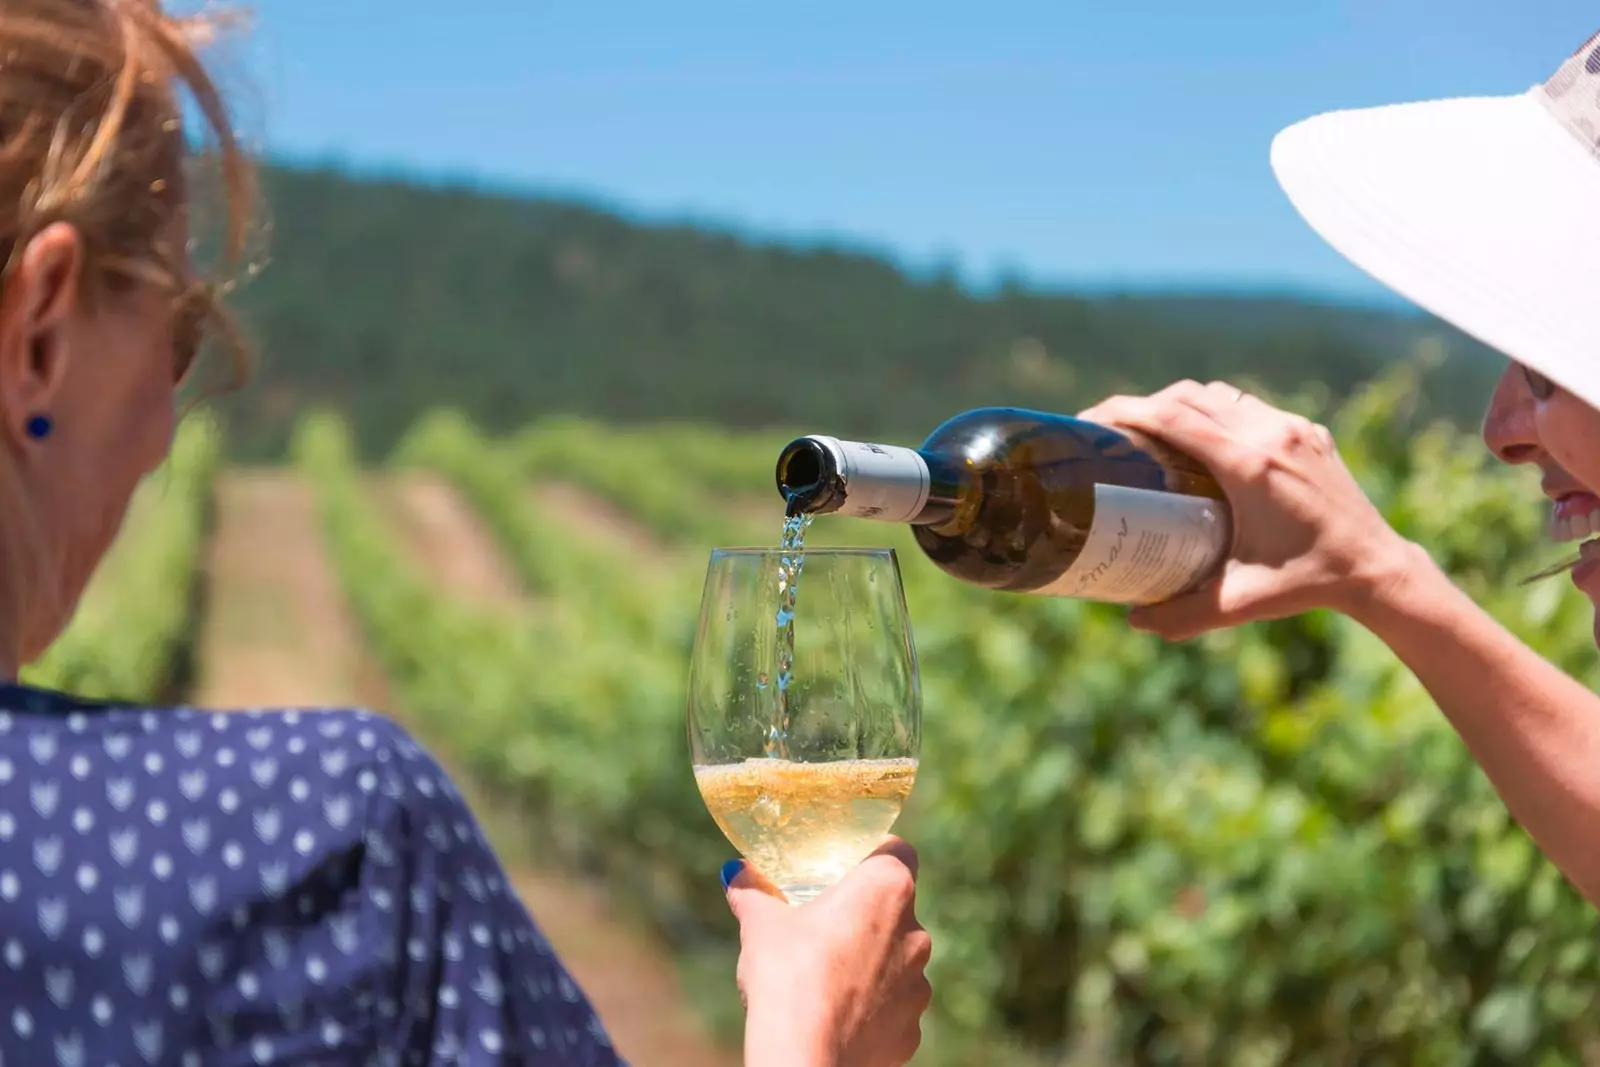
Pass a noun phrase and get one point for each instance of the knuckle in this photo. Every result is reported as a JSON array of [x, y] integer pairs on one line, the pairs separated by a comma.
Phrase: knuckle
[[1159, 412], [900, 885], [913, 1039], [1297, 432], [921, 948], [898, 850], [918, 996], [1254, 467], [889, 882], [893, 869]]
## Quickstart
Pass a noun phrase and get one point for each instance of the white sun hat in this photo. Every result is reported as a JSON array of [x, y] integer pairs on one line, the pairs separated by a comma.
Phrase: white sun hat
[[1484, 211]]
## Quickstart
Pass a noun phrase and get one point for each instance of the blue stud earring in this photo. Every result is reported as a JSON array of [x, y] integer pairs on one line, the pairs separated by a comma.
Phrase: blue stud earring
[[39, 427]]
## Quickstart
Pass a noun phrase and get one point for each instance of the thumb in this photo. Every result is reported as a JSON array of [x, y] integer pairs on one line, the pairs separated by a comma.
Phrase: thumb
[[751, 895]]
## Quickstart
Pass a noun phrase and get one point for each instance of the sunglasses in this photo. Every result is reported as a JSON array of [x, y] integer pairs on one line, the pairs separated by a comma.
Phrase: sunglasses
[[191, 313], [194, 306]]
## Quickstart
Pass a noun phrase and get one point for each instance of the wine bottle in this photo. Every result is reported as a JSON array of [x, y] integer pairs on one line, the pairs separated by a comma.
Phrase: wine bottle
[[1029, 502]]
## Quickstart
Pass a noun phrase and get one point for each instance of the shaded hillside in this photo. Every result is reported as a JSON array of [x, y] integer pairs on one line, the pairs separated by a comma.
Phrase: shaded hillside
[[388, 299]]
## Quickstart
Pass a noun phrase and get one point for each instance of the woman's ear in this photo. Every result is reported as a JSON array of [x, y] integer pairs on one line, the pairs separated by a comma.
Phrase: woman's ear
[[37, 304]]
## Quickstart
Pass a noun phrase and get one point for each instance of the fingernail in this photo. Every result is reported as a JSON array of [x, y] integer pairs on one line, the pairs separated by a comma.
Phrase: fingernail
[[730, 871]]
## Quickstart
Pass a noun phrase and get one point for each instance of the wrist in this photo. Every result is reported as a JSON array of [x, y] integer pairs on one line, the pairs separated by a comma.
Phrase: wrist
[[1388, 578], [788, 1036]]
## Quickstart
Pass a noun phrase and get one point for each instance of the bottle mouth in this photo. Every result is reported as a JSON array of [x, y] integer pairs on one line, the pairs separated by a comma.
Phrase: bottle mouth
[[808, 476]]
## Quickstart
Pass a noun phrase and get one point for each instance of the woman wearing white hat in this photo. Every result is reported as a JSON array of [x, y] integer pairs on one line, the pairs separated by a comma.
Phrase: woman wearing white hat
[[1486, 212]]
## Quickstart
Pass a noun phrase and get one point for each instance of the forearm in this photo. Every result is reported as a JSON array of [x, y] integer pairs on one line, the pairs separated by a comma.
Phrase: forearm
[[1533, 729]]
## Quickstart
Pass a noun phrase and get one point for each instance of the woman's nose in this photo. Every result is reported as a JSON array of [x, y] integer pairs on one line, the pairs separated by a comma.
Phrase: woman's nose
[[1509, 429]]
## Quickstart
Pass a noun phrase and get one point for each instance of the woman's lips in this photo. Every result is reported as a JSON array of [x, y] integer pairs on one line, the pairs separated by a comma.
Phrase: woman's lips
[[1586, 575]]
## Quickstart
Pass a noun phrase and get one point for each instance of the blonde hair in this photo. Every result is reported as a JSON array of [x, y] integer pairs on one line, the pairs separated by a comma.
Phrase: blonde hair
[[91, 135]]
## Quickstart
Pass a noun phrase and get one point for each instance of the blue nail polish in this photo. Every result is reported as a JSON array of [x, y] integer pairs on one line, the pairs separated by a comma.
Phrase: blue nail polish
[[730, 871]]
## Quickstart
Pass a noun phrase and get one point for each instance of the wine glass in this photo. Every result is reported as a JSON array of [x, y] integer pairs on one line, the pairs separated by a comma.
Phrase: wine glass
[[805, 710]]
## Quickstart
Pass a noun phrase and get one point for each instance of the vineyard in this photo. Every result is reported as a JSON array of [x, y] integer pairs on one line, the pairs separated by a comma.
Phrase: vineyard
[[1263, 847]]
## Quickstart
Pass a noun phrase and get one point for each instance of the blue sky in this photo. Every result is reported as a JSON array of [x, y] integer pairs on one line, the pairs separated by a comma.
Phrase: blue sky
[[1122, 142]]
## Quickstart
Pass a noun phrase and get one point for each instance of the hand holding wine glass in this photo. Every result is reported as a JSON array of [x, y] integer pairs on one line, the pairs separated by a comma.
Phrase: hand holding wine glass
[[839, 982], [804, 708]]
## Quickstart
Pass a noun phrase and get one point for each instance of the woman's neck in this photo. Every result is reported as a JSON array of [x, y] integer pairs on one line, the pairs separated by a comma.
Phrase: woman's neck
[[9, 665], [11, 636]]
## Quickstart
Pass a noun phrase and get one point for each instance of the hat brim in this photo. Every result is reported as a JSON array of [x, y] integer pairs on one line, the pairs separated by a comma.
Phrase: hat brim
[[1484, 211]]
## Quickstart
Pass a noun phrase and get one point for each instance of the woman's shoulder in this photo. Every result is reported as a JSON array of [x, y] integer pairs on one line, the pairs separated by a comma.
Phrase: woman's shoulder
[[31, 710], [351, 762]]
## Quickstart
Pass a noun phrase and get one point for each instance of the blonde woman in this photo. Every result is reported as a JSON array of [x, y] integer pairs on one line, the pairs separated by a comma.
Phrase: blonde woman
[[1485, 211], [292, 887]]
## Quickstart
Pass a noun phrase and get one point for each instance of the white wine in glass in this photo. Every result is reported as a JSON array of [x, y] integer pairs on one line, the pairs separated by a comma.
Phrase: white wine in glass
[[805, 711]]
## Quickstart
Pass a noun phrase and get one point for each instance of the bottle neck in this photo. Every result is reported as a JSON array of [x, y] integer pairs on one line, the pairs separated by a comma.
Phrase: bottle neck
[[947, 483], [887, 483]]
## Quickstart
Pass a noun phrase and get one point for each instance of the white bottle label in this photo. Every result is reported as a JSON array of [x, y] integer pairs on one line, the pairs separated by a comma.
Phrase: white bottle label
[[883, 482], [1145, 546]]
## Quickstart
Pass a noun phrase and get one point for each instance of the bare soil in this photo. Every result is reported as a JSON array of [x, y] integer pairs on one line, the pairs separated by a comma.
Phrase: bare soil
[[276, 632], [598, 518], [449, 538]]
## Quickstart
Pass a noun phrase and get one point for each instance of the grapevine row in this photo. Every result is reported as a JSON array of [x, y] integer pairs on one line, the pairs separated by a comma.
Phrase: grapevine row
[[577, 718], [1263, 846], [552, 557]]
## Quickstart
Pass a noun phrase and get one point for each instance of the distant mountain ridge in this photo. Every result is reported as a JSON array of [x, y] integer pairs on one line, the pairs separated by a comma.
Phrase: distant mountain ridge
[[388, 298]]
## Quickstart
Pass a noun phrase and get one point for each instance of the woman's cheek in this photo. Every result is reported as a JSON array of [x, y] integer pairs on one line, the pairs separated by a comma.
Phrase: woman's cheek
[[1569, 432]]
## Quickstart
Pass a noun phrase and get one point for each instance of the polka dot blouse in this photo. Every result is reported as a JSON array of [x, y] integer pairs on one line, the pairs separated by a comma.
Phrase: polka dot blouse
[[180, 888]]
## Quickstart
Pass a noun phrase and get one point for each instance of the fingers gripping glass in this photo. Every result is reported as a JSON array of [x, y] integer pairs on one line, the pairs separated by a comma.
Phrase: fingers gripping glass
[[804, 709]]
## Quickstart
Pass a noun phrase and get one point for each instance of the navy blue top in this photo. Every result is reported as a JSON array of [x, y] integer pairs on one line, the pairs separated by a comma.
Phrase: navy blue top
[[199, 889]]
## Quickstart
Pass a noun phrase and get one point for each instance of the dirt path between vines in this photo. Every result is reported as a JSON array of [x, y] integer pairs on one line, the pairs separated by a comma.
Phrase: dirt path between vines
[[598, 518], [275, 629], [628, 976], [450, 540]]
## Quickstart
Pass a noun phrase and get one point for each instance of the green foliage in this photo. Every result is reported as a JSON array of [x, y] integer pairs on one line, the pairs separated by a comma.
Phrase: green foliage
[[130, 636], [384, 299], [554, 706], [549, 557], [1262, 847], [656, 476]]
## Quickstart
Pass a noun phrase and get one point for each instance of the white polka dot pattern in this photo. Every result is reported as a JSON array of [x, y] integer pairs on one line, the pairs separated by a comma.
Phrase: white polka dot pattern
[[202, 889]]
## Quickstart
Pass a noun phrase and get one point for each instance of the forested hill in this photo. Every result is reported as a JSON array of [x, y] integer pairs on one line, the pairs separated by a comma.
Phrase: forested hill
[[388, 299]]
